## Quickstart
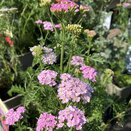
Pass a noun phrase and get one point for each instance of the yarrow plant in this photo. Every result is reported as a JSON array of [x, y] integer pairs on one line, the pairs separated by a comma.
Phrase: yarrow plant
[[72, 117], [53, 90], [46, 122], [73, 89], [13, 116]]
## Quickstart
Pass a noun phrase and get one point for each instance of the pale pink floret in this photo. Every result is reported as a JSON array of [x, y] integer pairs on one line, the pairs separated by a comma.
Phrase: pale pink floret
[[58, 26], [47, 77], [48, 25], [126, 4], [39, 22], [49, 58], [77, 61], [89, 72]]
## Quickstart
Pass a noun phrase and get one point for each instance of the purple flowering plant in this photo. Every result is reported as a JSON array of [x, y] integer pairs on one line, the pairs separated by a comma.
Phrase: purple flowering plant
[[63, 90], [60, 84]]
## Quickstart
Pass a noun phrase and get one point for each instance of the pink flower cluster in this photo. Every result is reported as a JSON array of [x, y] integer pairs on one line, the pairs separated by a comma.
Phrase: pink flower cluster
[[46, 121], [89, 72], [49, 56], [48, 25], [126, 5], [73, 89], [77, 61], [64, 5], [13, 116], [47, 77], [73, 117]]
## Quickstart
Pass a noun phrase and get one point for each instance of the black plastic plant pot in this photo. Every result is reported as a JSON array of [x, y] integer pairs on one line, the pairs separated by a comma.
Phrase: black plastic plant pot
[[13, 102], [122, 93], [26, 60]]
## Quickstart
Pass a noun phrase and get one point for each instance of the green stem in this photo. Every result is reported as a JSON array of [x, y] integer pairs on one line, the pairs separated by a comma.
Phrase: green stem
[[69, 65], [71, 129], [61, 59], [62, 50], [40, 31], [26, 22], [89, 46], [46, 36], [73, 42]]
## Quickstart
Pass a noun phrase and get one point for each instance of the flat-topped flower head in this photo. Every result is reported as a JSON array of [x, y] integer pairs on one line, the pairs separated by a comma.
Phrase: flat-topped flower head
[[49, 57], [73, 89], [63, 6], [47, 77], [46, 122], [90, 33], [13, 116], [72, 117], [74, 28]]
